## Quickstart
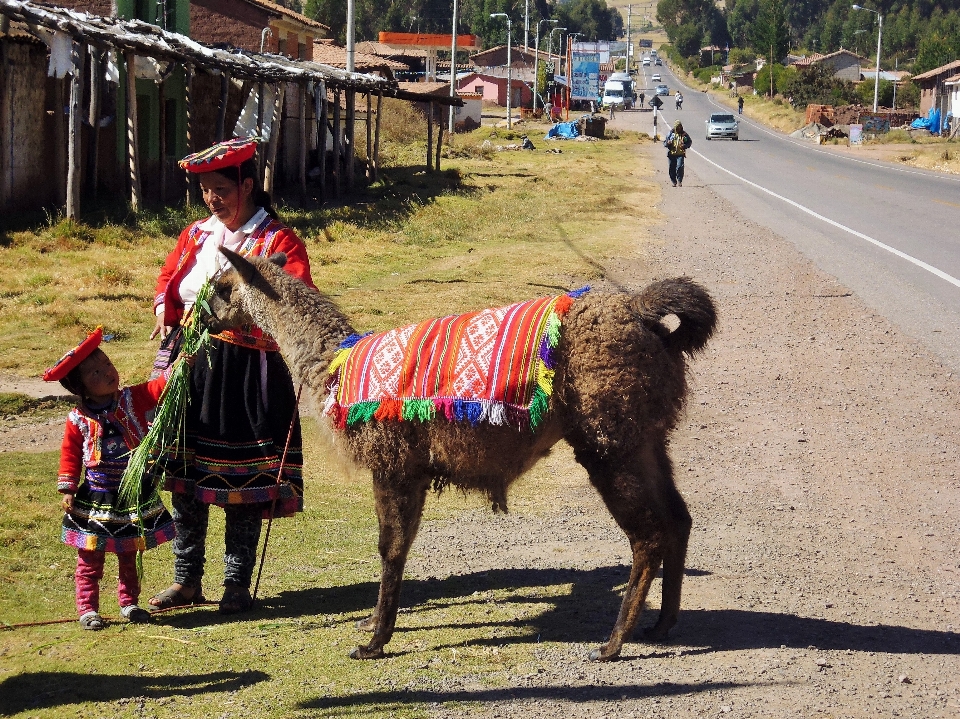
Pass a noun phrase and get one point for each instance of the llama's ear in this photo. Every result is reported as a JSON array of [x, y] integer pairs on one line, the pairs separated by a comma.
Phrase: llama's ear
[[279, 259], [247, 271]]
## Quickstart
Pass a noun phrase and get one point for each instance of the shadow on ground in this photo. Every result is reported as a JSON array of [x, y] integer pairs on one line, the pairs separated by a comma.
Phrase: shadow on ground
[[587, 614], [379, 702], [45, 690]]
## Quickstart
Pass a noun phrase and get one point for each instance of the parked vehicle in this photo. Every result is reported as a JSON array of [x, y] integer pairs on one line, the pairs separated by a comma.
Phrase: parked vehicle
[[618, 91], [723, 124], [662, 90]]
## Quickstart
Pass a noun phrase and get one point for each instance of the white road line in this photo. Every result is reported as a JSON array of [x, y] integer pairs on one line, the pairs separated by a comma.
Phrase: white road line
[[892, 250]]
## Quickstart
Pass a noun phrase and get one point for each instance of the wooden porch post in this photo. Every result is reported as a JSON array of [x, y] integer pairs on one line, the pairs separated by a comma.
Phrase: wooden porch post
[[350, 140], [162, 92], [96, 85], [439, 135], [133, 134], [73, 136], [429, 137], [376, 137], [303, 144], [369, 140], [188, 97], [269, 170], [336, 143], [320, 103], [224, 98]]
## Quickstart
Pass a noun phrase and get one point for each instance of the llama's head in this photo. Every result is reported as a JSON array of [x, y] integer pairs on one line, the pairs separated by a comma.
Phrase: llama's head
[[241, 295]]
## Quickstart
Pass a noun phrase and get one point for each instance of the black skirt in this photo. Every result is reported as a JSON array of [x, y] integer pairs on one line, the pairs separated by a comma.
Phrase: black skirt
[[242, 404]]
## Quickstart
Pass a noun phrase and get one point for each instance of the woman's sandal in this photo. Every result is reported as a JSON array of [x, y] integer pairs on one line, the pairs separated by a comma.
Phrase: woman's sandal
[[235, 600], [170, 597]]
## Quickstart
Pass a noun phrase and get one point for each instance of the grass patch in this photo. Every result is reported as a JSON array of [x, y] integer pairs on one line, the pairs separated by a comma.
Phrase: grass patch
[[492, 228]]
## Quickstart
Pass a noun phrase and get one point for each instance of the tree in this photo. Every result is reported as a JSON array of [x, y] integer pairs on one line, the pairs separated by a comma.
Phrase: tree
[[591, 18], [770, 30], [934, 51], [689, 22]]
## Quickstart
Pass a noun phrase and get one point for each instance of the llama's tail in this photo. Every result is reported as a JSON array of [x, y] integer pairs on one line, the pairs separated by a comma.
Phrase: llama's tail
[[689, 302]]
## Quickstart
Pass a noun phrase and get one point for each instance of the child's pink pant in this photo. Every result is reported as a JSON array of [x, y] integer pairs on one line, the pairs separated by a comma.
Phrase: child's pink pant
[[90, 572]]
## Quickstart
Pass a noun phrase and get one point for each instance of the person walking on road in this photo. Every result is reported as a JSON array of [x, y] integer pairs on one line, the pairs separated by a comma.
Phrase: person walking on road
[[740, 105], [678, 100], [677, 144]]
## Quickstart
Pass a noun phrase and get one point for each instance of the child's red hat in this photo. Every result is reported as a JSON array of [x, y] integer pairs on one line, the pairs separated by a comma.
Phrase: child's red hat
[[230, 153], [74, 357]]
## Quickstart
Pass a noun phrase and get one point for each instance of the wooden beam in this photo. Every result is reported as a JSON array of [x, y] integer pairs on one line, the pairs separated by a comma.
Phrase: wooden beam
[[320, 104], [336, 144], [303, 143], [133, 133], [439, 136], [96, 93], [161, 92], [269, 168], [260, 110], [59, 141], [224, 99], [188, 101], [73, 132], [350, 140], [430, 137], [376, 137], [369, 141]]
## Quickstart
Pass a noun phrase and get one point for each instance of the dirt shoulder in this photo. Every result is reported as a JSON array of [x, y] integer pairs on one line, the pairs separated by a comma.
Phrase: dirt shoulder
[[818, 458]]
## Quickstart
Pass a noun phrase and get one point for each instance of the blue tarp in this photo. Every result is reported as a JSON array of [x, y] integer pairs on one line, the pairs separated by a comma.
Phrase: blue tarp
[[564, 130], [931, 122]]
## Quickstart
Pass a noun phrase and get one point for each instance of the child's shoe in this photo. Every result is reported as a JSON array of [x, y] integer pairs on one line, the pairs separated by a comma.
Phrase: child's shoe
[[134, 614], [91, 621]]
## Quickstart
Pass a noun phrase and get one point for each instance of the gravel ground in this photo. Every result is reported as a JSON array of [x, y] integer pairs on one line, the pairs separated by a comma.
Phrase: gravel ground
[[818, 457]]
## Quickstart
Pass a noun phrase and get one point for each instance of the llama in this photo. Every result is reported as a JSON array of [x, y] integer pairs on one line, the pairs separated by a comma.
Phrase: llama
[[619, 385]]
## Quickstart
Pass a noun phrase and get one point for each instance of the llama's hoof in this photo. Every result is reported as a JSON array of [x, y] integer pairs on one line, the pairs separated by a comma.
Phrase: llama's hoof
[[657, 633], [367, 625], [601, 655], [365, 653]]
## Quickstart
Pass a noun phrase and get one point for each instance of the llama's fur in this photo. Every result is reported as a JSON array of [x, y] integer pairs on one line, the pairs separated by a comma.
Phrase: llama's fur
[[619, 389]]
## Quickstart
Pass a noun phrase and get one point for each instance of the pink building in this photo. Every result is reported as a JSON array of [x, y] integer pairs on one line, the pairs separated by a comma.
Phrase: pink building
[[491, 84]]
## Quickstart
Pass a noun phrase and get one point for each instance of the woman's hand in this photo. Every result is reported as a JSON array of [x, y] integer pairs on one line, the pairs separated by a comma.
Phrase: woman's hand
[[160, 329], [190, 360], [66, 504]]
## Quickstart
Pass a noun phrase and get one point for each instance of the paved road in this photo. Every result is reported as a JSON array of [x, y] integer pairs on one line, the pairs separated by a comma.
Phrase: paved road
[[888, 232]]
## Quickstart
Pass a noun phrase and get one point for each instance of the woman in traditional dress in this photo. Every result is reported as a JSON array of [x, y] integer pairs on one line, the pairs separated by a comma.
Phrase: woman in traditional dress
[[242, 402]]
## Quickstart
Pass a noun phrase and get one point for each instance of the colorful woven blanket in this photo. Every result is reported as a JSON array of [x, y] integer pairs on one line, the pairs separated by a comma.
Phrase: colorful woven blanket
[[493, 366]]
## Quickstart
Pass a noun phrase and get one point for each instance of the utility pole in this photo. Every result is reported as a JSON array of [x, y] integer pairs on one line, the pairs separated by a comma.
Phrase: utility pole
[[629, 46], [453, 71], [509, 70], [526, 26], [351, 24]]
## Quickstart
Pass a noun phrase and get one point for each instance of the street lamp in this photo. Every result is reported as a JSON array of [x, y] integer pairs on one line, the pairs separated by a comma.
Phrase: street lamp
[[561, 30], [876, 81], [509, 73], [536, 64]]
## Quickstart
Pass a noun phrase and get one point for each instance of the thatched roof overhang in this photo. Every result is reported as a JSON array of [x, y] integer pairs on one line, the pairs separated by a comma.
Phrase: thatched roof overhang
[[148, 40]]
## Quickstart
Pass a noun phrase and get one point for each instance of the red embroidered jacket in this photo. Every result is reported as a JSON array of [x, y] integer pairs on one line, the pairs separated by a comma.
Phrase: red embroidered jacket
[[82, 438], [268, 238]]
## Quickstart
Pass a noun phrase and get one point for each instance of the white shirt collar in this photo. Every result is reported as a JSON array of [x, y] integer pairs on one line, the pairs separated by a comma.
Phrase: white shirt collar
[[212, 223]]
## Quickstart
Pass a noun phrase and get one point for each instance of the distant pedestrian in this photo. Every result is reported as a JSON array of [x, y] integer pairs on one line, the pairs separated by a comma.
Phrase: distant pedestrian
[[678, 100], [677, 144], [740, 105]]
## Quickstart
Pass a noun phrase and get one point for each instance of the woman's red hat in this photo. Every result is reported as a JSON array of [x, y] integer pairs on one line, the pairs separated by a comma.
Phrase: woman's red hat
[[229, 153], [74, 357]]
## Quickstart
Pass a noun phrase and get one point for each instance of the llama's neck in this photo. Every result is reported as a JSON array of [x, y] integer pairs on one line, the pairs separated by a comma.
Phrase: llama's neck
[[308, 327]]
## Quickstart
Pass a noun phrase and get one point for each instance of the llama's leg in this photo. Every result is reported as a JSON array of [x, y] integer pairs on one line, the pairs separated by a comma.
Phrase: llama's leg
[[399, 502], [674, 554], [640, 495]]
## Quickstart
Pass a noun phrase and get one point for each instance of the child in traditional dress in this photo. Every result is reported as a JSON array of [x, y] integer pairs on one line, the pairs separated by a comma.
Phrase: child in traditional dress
[[101, 431]]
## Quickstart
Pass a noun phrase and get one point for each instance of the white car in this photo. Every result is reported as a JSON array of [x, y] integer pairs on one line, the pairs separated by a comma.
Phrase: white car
[[723, 124], [662, 90], [646, 62], [655, 77]]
